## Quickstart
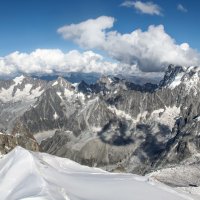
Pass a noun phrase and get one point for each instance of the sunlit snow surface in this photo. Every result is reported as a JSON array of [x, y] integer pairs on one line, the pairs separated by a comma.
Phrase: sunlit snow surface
[[28, 93], [26, 175]]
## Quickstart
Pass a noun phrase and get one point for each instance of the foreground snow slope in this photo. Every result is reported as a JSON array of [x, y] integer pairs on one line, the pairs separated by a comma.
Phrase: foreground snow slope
[[28, 175]]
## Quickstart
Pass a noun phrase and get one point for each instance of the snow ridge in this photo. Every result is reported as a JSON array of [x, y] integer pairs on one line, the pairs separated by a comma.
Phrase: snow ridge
[[28, 175]]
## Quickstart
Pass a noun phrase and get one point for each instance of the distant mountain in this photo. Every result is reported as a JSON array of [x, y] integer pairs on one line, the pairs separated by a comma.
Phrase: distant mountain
[[73, 77], [91, 78], [16, 96], [113, 124], [141, 79]]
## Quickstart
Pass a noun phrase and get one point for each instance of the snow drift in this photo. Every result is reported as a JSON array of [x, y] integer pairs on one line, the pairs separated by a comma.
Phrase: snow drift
[[27, 175]]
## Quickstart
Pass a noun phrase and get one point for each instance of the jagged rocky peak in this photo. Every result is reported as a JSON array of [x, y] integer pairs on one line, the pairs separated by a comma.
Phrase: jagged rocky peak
[[84, 87], [5, 84], [61, 82], [9, 142], [26, 82], [105, 80], [170, 74], [20, 136], [181, 75], [21, 81], [116, 83], [24, 79], [110, 83]]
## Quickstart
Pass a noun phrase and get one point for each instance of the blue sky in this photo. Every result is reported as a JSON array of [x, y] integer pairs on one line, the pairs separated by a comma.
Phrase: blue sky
[[27, 25], [30, 24]]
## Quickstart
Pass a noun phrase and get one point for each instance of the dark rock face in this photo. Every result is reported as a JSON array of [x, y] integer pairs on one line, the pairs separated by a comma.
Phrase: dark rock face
[[9, 142], [20, 136], [114, 124], [170, 75], [84, 87]]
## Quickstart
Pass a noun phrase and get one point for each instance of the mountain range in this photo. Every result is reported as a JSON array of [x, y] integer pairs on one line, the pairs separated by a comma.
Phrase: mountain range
[[113, 124]]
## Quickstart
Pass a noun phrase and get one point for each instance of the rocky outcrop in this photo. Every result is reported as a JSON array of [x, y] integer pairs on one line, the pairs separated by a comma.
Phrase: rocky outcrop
[[9, 142]]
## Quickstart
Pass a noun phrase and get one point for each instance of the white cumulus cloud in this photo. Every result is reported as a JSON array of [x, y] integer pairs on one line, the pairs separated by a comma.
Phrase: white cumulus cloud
[[150, 50], [47, 61], [88, 33], [144, 7]]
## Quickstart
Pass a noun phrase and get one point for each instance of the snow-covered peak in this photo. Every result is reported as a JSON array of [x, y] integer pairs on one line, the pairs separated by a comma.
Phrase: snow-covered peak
[[19, 79], [24, 175], [66, 90], [62, 83], [189, 77], [55, 83], [170, 75], [21, 88], [177, 80]]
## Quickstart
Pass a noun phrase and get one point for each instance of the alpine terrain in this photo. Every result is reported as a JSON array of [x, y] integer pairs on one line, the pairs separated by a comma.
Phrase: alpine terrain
[[112, 124], [49, 177]]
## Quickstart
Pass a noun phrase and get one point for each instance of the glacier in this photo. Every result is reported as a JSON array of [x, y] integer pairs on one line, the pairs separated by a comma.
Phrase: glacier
[[27, 175]]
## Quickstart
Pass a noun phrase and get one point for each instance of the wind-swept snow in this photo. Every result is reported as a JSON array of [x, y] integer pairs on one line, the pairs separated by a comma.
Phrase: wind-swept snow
[[27, 175]]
